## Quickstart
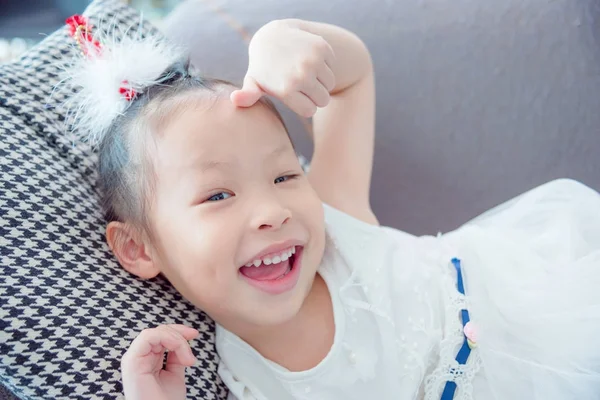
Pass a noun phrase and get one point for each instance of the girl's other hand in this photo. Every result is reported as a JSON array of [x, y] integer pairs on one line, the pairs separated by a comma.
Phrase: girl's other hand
[[145, 377]]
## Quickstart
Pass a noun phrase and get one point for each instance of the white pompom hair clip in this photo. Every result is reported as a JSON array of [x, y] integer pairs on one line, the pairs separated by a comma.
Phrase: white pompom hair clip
[[109, 75]]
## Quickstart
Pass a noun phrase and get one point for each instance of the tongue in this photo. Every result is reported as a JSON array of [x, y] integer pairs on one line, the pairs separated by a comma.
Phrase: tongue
[[266, 272]]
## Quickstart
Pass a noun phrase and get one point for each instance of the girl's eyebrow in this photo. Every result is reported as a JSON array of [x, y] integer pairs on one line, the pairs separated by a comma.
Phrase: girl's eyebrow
[[282, 148], [205, 165]]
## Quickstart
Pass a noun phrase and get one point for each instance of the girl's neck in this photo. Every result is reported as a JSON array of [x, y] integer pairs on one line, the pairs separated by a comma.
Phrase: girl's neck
[[306, 339]]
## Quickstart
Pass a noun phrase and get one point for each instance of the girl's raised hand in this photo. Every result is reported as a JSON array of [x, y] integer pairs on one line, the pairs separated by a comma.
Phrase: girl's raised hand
[[290, 64]]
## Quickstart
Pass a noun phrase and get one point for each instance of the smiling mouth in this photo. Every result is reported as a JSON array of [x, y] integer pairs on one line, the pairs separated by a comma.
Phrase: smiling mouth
[[278, 277], [272, 268]]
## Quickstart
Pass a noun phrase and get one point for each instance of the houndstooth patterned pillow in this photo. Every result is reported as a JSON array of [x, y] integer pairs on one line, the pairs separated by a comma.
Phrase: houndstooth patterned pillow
[[67, 310]]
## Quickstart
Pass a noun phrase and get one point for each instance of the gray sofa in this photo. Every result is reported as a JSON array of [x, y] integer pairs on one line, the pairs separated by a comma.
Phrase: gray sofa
[[477, 102]]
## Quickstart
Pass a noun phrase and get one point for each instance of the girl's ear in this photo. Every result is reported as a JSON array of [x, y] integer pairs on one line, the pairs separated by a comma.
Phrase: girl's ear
[[131, 250]]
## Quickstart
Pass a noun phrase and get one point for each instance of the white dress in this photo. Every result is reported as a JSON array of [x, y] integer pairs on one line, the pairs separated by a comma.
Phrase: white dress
[[531, 274]]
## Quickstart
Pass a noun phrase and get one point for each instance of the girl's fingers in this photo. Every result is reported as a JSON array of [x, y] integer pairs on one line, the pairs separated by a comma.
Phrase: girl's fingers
[[177, 362], [153, 343], [300, 104], [183, 351], [185, 331], [326, 52], [317, 93], [326, 77], [248, 95]]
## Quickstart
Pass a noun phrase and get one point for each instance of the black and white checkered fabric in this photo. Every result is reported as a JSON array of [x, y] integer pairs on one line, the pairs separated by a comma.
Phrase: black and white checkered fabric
[[67, 310]]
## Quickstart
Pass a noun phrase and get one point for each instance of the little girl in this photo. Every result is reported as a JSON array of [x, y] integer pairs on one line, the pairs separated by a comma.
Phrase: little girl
[[312, 299]]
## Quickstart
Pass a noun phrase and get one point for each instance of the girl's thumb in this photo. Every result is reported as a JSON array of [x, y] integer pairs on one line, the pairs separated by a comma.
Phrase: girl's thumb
[[248, 95]]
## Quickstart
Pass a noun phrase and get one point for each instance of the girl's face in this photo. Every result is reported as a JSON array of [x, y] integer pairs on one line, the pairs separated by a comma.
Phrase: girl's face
[[230, 193]]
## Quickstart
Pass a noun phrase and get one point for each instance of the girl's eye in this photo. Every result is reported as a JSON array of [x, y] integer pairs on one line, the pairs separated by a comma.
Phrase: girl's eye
[[284, 178], [219, 196]]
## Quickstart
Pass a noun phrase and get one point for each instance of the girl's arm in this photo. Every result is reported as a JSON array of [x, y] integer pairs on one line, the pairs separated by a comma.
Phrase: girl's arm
[[344, 130], [309, 65]]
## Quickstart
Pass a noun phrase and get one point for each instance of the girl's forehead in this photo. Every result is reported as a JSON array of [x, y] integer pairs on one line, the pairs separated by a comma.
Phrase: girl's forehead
[[220, 130], [218, 119]]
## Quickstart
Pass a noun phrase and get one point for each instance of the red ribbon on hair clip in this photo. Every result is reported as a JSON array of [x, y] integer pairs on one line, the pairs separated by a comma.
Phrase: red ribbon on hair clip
[[81, 30], [127, 91]]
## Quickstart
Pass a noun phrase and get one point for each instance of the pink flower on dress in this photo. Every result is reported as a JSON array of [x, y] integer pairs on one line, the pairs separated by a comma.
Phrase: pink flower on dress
[[471, 334]]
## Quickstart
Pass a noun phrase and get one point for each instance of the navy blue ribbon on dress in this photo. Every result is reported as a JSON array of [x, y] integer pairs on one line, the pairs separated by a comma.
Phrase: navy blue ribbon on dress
[[465, 350]]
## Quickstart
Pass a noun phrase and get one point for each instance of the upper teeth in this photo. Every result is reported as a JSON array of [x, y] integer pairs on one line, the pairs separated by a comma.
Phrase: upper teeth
[[273, 259]]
